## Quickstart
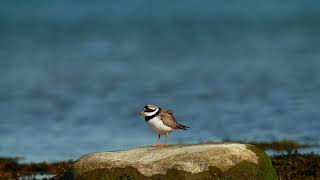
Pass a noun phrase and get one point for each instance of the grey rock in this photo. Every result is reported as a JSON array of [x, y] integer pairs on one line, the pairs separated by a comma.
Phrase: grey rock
[[203, 161]]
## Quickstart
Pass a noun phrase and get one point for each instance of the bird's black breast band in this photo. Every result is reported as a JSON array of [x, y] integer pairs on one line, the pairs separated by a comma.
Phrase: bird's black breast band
[[147, 118]]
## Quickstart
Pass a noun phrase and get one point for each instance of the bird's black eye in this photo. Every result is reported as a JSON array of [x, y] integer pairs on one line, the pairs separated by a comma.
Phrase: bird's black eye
[[147, 109]]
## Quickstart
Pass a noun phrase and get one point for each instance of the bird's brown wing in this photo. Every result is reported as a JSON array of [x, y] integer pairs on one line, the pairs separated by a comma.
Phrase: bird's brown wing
[[168, 118]]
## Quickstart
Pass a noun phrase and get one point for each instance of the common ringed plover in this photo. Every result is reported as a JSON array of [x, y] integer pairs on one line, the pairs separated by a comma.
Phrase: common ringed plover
[[161, 121]]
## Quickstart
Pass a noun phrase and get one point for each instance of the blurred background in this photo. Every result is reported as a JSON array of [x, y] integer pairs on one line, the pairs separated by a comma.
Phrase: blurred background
[[74, 75]]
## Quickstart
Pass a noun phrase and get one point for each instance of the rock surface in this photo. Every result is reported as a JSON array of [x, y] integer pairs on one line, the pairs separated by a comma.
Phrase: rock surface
[[203, 161]]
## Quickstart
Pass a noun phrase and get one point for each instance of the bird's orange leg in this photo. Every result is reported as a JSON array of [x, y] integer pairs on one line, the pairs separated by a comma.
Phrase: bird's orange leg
[[165, 141], [158, 142]]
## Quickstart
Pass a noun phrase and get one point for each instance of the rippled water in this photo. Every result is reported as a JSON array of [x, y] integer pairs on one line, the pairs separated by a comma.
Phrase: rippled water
[[73, 76]]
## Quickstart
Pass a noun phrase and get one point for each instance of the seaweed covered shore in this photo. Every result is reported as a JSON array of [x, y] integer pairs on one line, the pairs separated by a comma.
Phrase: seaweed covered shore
[[288, 162], [10, 168]]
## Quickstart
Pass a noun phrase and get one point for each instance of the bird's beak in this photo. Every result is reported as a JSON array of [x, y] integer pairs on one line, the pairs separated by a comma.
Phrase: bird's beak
[[142, 113]]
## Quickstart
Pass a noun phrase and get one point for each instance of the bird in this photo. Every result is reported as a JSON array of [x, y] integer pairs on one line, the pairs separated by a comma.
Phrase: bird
[[161, 121]]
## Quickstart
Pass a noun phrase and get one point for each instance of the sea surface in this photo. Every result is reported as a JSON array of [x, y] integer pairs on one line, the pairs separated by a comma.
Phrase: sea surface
[[75, 75]]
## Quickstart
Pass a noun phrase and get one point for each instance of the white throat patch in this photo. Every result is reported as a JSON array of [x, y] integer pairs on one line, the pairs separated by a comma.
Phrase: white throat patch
[[151, 113]]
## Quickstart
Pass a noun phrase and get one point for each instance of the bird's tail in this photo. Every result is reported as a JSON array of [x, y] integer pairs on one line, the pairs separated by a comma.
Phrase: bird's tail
[[183, 127]]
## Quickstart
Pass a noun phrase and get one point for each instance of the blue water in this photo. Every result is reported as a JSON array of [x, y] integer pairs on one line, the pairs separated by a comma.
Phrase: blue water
[[73, 76]]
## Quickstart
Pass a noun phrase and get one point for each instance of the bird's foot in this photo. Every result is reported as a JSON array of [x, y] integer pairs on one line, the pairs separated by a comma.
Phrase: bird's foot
[[156, 145]]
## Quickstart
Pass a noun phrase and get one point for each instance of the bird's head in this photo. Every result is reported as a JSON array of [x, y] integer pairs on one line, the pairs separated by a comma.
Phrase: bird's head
[[149, 110]]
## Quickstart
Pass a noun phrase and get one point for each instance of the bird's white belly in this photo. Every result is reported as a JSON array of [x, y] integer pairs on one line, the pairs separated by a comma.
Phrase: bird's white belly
[[158, 126]]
